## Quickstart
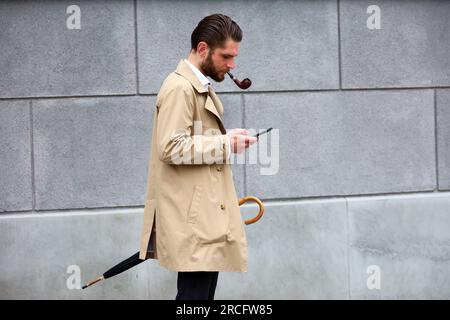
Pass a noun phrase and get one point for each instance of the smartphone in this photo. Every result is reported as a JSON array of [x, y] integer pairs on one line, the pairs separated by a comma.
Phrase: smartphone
[[262, 132]]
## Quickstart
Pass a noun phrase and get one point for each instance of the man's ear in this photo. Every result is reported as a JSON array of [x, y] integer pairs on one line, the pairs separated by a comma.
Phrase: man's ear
[[202, 49]]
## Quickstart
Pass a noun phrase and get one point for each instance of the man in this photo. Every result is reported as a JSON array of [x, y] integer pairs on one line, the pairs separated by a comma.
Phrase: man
[[192, 222]]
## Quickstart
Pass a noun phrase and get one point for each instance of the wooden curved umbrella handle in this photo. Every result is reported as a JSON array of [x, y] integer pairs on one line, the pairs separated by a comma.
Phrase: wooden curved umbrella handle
[[261, 208]]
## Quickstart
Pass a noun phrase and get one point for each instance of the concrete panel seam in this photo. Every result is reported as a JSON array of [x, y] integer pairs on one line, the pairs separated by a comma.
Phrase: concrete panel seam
[[136, 57], [33, 188], [379, 89], [58, 213], [351, 196], [366, 197], [339, 43], [393, 88], [72, 96], [436, 137]]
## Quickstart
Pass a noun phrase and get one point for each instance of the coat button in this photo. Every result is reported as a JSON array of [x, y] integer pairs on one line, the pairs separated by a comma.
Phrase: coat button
[[222, 206], [219, 169]]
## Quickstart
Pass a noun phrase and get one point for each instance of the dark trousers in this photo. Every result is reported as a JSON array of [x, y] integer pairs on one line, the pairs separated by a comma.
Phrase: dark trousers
[[198, 285]]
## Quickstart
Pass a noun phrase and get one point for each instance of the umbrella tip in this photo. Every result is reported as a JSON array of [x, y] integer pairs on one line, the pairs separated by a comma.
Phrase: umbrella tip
[[93, 282]]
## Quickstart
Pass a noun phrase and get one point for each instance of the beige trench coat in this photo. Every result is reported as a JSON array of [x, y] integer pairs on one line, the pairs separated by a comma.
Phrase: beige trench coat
[[192, 220]]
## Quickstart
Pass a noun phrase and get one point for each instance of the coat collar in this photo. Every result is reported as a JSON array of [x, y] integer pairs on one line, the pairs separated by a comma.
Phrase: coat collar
[[200, 76], [185, 71]]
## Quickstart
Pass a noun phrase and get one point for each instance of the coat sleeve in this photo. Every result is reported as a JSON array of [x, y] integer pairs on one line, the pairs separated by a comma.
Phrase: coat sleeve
[[178, 142]]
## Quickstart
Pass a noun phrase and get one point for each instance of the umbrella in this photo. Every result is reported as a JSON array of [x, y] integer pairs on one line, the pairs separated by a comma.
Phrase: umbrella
[[134, 259]]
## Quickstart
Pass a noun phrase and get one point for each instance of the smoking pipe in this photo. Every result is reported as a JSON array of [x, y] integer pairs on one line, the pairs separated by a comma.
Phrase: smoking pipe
[[244, 84]]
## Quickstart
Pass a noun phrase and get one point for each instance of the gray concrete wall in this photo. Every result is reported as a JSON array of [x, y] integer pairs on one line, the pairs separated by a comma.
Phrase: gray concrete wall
[[363, 179]]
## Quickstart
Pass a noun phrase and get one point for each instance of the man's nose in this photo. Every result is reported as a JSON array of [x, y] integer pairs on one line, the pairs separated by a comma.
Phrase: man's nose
[[231, 64]]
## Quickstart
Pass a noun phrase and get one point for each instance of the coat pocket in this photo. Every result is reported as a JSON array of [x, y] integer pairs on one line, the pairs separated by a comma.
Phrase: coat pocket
[[208, 222]]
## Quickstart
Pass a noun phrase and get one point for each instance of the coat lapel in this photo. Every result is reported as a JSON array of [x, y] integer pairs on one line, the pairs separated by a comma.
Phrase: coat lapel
[[213, 103]]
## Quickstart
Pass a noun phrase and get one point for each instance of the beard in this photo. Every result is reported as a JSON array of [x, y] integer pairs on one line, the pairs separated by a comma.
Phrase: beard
[[210, 71]]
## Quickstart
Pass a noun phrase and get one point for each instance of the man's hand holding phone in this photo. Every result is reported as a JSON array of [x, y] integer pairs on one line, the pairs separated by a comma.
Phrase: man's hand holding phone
[[240, 139]]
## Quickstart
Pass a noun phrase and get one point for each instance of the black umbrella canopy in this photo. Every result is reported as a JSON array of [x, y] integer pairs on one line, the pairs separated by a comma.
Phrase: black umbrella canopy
[[119, 268]]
